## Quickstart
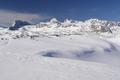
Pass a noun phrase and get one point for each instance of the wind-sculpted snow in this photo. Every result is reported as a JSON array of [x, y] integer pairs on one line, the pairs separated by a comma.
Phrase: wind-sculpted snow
[[71, 47], [60, 58], [95, 50]]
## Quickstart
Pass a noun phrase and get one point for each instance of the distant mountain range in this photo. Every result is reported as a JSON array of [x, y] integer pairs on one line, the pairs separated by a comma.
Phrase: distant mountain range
[[56, 28]]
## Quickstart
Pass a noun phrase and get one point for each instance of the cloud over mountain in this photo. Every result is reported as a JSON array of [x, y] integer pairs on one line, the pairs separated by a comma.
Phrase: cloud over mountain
[[6, 17]]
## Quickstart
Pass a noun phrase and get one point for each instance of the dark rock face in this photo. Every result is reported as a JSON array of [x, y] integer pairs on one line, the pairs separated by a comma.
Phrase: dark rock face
[[18, 24]]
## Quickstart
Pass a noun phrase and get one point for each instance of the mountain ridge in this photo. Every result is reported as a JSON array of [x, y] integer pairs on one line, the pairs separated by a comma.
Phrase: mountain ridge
[[56, 28]]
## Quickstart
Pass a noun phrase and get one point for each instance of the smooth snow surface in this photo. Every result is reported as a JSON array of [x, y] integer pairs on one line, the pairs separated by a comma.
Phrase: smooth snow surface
[[52, 52]]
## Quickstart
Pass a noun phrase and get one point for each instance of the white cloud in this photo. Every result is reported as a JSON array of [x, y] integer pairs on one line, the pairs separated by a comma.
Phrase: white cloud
[[7, 17]]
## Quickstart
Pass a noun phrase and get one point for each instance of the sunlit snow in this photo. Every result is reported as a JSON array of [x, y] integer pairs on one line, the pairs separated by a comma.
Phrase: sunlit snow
[[54, 50]]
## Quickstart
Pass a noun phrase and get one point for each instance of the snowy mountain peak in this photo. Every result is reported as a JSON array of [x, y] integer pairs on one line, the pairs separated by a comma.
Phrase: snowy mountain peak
[[18, 24], [53, 20]]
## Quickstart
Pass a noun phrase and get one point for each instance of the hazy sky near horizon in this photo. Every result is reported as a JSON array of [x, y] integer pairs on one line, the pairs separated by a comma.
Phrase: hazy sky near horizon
[[40, 10]]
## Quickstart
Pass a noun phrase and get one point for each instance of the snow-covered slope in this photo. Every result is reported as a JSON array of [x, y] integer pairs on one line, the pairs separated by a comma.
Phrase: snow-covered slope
[[54, 50], [66, 58]]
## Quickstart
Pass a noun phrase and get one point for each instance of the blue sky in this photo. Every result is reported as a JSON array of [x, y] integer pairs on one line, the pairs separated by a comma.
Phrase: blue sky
[[41, 10]]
